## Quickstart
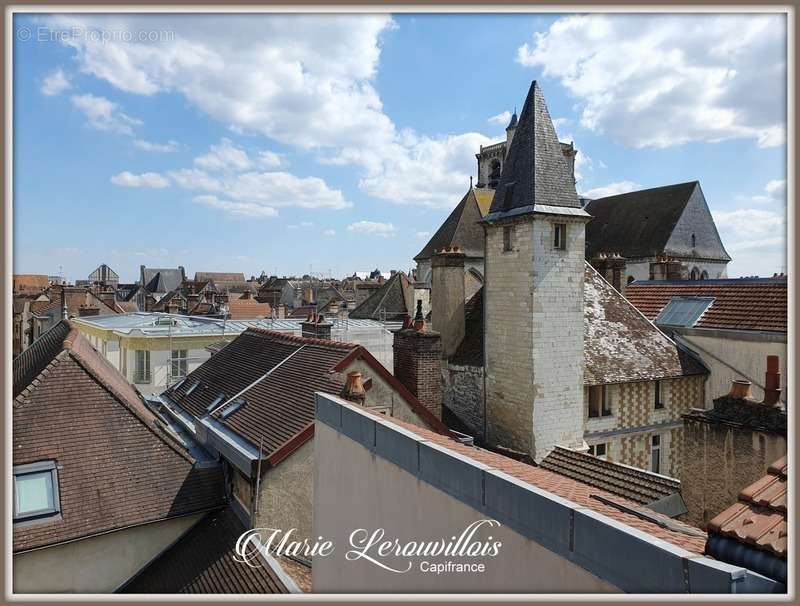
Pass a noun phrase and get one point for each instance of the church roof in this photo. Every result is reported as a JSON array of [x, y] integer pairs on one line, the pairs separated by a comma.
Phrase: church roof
[[652, 222], [461, 227], [535, 172], [513, 122]]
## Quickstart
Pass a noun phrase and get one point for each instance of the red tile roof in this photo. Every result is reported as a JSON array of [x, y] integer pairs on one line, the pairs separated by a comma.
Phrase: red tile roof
[[741, 304], [759, 518], [680, 535], [116, 467], [202, 561], [247, 308]]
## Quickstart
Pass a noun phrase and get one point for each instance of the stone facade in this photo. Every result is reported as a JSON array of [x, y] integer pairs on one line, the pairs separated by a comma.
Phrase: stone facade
[[534, 335], [463, 395], [447, 307]]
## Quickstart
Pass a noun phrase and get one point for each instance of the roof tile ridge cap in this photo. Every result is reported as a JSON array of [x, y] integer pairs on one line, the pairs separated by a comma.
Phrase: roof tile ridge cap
[[31, 387], [302, 340], [152, 426]]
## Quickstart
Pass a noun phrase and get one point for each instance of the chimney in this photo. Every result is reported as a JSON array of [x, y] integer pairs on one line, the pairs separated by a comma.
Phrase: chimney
[[246, 295], [354, 388], [666, 268], [772, 382], [333, 308], [316, 327], [740, 389], [447, 298], [418, 364], [281, 313], [612, 268], [88, 310]]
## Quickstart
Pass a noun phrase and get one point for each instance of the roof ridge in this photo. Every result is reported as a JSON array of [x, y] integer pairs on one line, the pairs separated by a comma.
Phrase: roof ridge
[[637, 191], [282, 336]]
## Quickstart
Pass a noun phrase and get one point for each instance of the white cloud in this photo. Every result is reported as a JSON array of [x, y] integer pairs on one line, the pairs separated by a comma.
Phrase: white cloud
[[500, 119], [755, 240], [284, 76], [55, 83], [152, 180], [658, 80], [103, 114], [329, 232], [269, 159], [242, 209], [149, 146], [372, 228], [612, 189], [224, 156]]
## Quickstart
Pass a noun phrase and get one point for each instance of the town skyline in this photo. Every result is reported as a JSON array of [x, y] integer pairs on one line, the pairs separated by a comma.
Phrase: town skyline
[[137, 145]]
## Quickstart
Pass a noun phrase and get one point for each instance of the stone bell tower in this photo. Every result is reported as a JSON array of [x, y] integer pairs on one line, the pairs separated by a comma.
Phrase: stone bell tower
[[535, 236]]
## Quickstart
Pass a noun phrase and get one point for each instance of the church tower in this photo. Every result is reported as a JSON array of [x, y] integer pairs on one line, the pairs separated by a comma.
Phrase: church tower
[[533, 293]]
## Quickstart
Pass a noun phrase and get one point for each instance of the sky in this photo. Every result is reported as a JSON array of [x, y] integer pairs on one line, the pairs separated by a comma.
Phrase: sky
[[330, 144]]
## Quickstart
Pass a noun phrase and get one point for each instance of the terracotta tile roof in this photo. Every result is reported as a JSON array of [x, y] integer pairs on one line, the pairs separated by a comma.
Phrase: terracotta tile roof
[[740, 304], [117, 468], [202, 561], [219, 276], [759, 518], [76, 296], [580, 493], [29, 283], [635, 484], [248, 309]]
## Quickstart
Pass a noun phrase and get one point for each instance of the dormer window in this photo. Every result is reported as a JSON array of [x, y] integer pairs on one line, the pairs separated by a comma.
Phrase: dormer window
[[36, 491]]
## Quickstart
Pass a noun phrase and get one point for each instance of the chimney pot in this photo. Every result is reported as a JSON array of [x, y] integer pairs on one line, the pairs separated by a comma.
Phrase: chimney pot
[[772, 382], [354, 388], [740, 389]]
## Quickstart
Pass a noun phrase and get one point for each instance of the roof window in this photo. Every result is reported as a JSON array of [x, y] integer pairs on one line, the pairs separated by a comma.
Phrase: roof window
[[683, 311], [36, 491]]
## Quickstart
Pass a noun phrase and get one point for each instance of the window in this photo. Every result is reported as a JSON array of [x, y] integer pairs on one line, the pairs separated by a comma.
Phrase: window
[[659, 399], [598, 402], [704, 275], [560, 236], [683, 311], [598, 450], [655, 454], [508, 238], [178, 364], [35, 490], [141, 371]]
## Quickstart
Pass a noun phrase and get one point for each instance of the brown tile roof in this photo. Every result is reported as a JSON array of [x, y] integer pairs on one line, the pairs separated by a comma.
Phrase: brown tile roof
[[580, 493], [302, 312], [219, 276], [277, 374], [202, 561], [740, 304], [29, 283], [76, 296], [759, 518], [116, 467], [634, 484], [248, 309]]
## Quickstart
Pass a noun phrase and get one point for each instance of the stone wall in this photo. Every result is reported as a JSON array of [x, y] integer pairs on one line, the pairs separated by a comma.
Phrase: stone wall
[[719, 461], [462, 391], [534, 336]]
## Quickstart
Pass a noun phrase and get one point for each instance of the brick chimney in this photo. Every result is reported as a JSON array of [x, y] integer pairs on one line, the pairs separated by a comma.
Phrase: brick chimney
[[447, 298], [316, 327], [417, 362], [612, 267], [354, 388]]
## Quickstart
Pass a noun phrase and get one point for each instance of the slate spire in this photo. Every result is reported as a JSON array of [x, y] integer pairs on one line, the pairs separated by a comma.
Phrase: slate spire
[[535, 171]]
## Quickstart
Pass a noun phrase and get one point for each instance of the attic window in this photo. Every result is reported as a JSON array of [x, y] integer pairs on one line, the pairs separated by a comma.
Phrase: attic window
[[229, 410], [683, 311], [36, 491], [216, 402]]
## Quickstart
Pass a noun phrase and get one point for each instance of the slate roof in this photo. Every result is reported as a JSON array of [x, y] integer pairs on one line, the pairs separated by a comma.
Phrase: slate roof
[[202, 561], [162, 279], [653, 222], [656, 525], [643, 487], [461, 227], [620, 345], [277, 374], [759, 518], [116, 466], [740, 304], [392, 301], [535, 170]]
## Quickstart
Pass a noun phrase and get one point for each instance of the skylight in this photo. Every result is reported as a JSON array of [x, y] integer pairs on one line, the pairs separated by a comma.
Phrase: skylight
[[217, 401], [235, 405], [684, 311]]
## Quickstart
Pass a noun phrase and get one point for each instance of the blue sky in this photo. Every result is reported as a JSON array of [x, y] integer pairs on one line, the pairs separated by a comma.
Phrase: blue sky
[[336, 144]]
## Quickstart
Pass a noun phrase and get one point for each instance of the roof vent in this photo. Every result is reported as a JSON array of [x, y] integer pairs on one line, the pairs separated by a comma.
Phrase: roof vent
[[234, 406]]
